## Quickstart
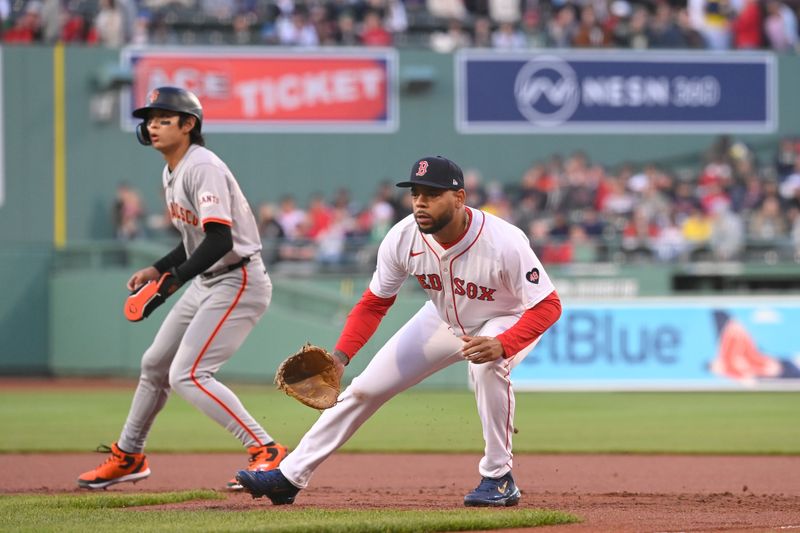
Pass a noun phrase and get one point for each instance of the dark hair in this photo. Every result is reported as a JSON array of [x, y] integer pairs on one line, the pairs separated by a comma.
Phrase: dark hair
[[195, 136]]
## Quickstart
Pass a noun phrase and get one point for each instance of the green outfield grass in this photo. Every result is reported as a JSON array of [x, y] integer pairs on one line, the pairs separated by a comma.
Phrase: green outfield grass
[[118, 513], [417, 421]]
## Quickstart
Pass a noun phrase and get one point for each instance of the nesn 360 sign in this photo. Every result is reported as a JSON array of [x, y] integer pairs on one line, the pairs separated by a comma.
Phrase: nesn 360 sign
[[612, 92]]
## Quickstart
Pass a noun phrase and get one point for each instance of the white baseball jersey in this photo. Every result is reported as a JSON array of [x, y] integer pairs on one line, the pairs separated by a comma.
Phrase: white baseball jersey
[[490, 272], [202, 189]]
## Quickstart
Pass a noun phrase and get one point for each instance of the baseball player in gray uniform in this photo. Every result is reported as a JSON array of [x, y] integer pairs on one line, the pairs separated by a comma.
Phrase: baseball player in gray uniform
[[490, 300], [228, 291]]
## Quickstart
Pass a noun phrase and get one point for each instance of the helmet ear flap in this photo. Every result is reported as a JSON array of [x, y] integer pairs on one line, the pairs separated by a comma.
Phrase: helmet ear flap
[[142, 134]]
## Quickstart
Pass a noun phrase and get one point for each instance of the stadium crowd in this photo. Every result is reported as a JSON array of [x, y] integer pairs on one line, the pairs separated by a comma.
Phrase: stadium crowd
[[443, 25], [731, 207]]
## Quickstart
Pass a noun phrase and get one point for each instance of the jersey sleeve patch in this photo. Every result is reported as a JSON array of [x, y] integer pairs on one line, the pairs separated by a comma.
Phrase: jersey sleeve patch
[[208, 198]]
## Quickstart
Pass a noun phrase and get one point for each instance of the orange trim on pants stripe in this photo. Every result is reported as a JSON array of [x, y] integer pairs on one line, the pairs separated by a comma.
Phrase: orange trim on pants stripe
[[205, 348]]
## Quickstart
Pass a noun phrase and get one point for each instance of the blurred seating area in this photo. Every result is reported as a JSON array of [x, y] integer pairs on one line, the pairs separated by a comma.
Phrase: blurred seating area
[[443, 25], [726, 206]]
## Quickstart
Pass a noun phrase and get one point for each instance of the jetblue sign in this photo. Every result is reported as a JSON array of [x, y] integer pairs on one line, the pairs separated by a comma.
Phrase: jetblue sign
[[669, 344], [634, 92]]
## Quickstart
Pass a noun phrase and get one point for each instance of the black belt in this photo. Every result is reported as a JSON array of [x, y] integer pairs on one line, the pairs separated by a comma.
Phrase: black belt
[[225, 269]]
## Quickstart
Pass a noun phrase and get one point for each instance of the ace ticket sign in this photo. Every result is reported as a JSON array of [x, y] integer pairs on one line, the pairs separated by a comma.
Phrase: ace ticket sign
[[262, 90]]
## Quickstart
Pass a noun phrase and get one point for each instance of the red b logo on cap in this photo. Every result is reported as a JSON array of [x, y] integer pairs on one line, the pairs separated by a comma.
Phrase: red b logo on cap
[[153, 96], [423, 168]]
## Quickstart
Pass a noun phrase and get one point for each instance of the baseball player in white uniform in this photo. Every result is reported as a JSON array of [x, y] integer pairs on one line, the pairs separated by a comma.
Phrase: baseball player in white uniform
[[228, 292], [490, 301]]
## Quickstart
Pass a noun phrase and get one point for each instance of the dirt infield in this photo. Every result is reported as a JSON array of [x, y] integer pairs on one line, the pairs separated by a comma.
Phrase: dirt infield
[[610, 492]]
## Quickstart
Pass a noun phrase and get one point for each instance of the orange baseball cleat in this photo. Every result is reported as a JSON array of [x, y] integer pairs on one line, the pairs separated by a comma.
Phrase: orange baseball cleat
[[262, 458], [118, 468]]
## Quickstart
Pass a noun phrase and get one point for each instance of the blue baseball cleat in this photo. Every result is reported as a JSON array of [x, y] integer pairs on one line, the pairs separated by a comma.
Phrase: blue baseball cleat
[[271, 483], [500, 492]]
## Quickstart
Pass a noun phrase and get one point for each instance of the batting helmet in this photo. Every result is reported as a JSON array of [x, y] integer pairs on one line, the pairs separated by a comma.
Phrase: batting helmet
[[170, 99]]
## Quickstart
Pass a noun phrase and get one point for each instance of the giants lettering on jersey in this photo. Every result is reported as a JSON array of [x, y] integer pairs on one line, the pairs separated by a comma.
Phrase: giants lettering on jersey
[[461, 287], [208, 198], [183, 214]]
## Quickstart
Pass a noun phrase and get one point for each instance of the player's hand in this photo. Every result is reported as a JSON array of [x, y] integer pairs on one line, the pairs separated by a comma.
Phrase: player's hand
[[141, 277], [481, 349]]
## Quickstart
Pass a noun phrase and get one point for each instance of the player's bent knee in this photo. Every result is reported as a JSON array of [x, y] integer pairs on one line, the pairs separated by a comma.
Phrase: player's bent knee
[[182, 383]]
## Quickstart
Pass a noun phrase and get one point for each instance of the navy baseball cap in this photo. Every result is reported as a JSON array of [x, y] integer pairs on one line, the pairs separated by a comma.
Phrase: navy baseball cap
[[435, 171]]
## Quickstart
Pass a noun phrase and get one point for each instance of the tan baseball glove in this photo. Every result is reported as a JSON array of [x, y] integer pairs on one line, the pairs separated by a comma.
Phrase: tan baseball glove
[[310, 377]]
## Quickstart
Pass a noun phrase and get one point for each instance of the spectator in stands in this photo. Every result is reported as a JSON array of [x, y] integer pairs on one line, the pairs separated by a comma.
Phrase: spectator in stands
[[639, 236], [748, 26], [694, 39], [767, 222], [53, 16], [290, 217], [750, 196], [670, 245], [325, 24], [473, 186], [128, 213], [372, 32], [507, 36], [617, 201], [562, 27], [727, 233], [497, 203], [268, 225], [533, 29], [791, 183], [711, 19], [271, 233], [639, 29], [26, 29], [453, 38], [395, 18], [331, 242], [482, 32], [785, 157], [664, 31], [696, 229], [319, 216], [295, 28], [109, 25], [780, 26], [590, 33]]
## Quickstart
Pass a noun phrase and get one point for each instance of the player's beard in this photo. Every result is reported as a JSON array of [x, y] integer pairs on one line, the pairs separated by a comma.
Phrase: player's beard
[[437, 224]]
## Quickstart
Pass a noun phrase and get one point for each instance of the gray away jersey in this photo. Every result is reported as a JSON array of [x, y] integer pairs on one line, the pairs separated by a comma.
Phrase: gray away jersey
[[202, 189]]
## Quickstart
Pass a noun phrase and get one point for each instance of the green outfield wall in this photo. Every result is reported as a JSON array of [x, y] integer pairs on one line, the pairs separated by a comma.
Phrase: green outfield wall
[[45, 304], [99, 154], [97, 340]]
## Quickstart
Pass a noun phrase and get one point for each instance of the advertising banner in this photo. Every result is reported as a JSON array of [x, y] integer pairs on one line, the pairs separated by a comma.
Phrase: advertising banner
[[258, 89], [615, 92], [709, 345]]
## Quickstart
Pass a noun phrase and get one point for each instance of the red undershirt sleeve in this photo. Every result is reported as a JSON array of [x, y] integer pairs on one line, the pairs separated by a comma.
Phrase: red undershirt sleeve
[[531, 325], [362, 322]]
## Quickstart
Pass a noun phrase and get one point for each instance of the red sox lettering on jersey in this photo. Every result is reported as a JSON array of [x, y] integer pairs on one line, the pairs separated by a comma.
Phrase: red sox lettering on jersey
[[490, 272], [460, 287]]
